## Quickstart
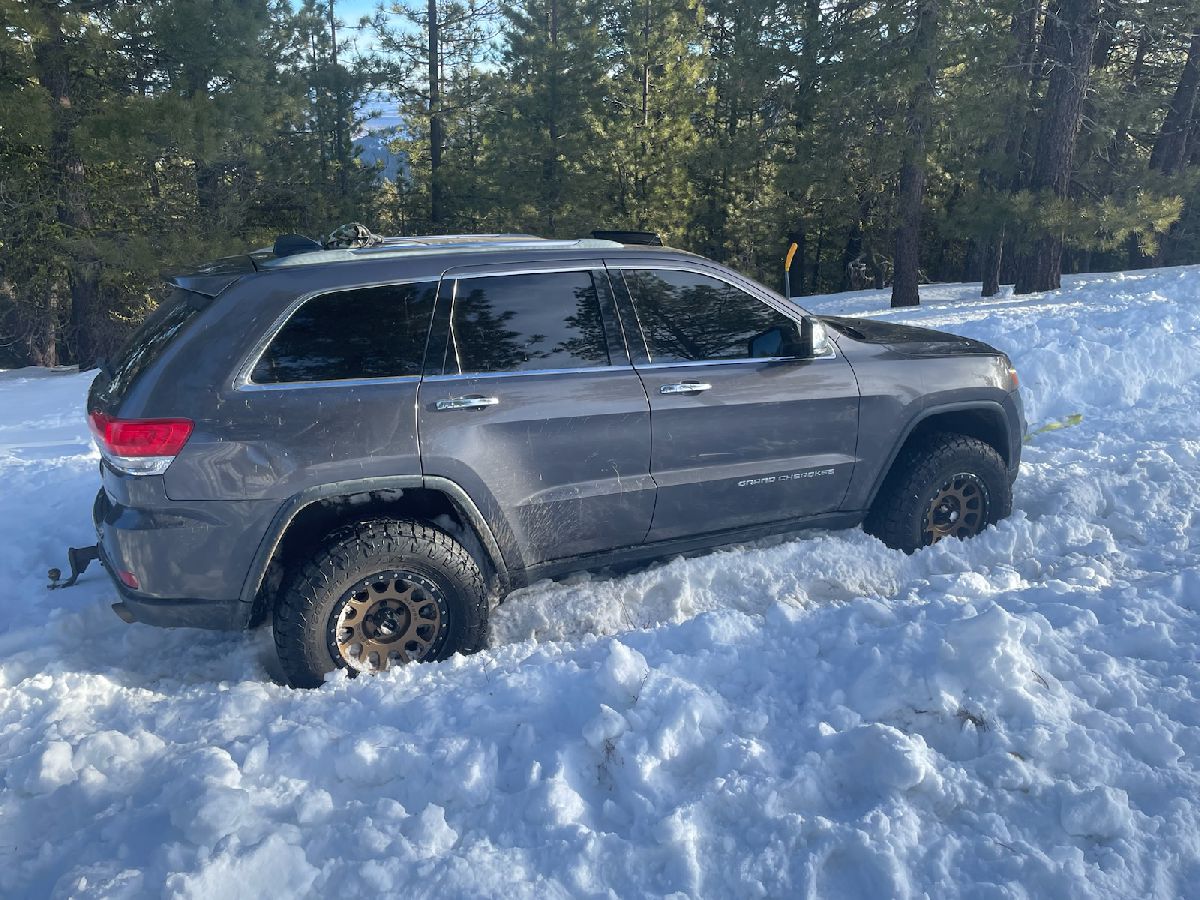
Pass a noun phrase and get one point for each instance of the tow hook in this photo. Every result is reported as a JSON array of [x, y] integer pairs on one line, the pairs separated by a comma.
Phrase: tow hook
[[79, 559]]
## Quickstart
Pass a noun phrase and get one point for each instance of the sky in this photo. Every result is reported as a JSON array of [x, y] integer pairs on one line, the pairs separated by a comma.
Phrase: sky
[[352, 9]]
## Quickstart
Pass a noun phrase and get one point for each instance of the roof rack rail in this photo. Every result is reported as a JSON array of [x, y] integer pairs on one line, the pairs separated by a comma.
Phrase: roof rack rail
[[459, 238], [468, 245], [641, 238]]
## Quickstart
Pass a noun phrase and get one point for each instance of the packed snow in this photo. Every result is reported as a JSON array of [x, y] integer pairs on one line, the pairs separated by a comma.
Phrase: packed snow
[[1014, 716]]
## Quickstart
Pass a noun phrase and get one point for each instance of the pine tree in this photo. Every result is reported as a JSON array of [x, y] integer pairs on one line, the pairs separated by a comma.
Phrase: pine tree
[[547, 136], [1169, 154], [911, 194], [651, 103], [1069, 37], [1002, 174]]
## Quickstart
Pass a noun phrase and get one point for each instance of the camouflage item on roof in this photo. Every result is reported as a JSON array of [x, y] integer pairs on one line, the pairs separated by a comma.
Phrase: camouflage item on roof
[[351, 236]]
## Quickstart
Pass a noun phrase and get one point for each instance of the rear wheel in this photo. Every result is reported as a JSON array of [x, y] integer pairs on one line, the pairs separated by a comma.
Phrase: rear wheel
[[948, 485], [376, 595]]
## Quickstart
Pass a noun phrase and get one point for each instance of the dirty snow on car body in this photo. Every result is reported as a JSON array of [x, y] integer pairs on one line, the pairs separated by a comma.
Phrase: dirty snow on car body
[[1013, 716]]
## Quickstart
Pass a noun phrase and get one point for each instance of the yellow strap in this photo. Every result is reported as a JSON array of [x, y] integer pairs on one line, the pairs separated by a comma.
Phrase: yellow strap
[[1073, 419], [787, 263]]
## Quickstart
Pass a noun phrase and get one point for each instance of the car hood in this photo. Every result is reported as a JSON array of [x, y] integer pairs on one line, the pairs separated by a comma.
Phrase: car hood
[[906, 339]]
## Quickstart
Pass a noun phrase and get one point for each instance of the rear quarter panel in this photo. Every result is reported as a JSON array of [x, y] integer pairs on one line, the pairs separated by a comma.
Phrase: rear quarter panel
[[254, 443]]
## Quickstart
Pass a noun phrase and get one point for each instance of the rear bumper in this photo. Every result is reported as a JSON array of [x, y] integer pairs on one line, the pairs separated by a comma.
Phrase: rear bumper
[[220, 615], [190, 560]]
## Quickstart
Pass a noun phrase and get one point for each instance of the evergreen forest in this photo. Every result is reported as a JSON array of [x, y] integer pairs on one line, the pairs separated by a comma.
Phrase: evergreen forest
[[895, 143]]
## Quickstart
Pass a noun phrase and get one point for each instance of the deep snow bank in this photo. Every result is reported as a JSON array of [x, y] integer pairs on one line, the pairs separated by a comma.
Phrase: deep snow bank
[[1014, 716]]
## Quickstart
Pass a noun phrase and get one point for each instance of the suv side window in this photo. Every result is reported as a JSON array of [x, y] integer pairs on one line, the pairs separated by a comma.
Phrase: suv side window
[[375, 332], [513, 323], [688, 317]]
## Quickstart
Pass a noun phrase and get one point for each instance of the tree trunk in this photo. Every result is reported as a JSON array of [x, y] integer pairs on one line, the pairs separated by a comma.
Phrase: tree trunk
[[53, 66], [1008, 262], [551, 165], [993, 253], [853, 249], [1170, 147], [341, 147], [644, 133], [911, 198], [815, 277], [1107, 32], [1192, 150], [1020, 62], [435, 117], [970, 264], [1069, 38]]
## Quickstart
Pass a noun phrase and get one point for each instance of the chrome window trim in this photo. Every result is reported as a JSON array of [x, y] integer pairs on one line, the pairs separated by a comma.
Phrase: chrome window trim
[[452, 338], [791, 312], [337, 382], [637, 316], [523, 372], [756, 360], [242, 380]]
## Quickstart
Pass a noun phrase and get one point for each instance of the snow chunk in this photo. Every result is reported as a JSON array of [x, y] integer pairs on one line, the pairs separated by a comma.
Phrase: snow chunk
[[55, 769], [429, 833], [624, 673], [274, 868], [1101, 812], [876, 759]]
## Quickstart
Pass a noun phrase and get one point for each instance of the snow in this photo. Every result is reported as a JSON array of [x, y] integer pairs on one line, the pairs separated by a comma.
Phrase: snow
[[1015, 716]]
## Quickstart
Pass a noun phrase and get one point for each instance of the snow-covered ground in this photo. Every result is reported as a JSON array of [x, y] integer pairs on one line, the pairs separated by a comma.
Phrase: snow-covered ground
[[1016, 716]]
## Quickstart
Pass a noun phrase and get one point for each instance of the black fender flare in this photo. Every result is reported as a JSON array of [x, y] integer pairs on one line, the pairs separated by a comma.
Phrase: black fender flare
[[292, 507], [991, 407]]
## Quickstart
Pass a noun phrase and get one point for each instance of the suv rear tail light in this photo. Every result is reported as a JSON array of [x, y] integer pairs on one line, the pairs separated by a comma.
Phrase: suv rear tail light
[[139, 446]]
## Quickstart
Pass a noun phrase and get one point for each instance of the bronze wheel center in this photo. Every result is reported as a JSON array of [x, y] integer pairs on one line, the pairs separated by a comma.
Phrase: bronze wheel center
[[957, 509], [389, 619]]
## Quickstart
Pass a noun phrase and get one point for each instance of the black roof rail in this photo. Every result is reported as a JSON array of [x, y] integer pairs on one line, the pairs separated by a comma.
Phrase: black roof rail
[[642, 238]]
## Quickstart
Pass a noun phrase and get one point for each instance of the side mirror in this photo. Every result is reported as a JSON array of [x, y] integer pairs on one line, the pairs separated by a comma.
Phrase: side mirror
[[804, 342], [781, 340], [814, 339]]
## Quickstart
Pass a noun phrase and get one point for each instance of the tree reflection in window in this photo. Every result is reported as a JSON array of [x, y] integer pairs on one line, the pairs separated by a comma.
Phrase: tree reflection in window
[[510, 323], [373, 332], [688, 317], [149, 341]]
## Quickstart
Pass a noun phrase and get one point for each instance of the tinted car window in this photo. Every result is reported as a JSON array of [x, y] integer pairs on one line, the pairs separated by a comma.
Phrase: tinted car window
[[688, 317], [374, 332], [511, 323], [151, 339]]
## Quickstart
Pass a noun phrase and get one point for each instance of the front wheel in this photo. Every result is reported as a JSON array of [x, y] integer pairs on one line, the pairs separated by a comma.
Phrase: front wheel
[[376, 595], [949, 485]]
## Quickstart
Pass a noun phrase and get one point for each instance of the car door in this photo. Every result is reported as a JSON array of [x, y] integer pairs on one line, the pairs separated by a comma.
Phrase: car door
[[746, 427], [536, 411]]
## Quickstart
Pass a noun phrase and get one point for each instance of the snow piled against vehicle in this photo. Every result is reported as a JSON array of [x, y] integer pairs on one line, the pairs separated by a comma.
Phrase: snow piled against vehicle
[[1014, 716]]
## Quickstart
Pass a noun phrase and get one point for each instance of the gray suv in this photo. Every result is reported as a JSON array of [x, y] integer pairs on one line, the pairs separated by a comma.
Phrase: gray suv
[[371, 446]]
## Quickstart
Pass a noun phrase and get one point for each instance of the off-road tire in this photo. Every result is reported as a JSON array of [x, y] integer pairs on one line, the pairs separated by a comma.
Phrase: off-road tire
[[304, 610], [899, 515]]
